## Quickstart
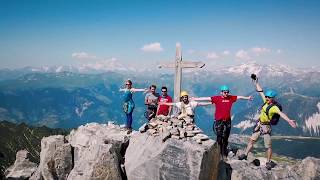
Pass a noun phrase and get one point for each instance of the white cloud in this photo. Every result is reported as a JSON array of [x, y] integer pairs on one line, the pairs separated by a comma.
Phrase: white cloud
[[82, 55], [153, 47], [191, 51], [226, 52], [243, 55], [212, 55], [279, 51], [258, 50]]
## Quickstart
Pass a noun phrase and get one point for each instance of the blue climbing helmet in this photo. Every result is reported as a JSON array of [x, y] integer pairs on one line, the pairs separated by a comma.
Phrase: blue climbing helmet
[[271, 93], [224, 88]]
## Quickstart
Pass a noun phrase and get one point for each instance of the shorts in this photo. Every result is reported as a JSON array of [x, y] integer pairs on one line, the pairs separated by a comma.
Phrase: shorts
[[266, 137]]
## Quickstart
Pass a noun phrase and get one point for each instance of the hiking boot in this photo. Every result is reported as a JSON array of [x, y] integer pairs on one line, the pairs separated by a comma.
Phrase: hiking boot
[[129, 130], [269, 165], [242, 157]]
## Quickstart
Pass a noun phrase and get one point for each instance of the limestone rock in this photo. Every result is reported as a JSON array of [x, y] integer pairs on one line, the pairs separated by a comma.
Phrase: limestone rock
[[148, 158], [55, 159], [309, 168], [22, 167], [97, 151]]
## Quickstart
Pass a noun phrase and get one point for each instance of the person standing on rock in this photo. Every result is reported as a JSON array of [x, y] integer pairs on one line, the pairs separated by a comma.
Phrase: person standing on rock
[[151, 101], [128, 103], [164, 109], [185, 107], [263, 126], [222, 124]]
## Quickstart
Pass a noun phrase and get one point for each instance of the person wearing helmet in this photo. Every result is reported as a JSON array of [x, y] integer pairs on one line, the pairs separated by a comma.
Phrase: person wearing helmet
[[186, 107], [263, 126], [128, 103], [222, 116]]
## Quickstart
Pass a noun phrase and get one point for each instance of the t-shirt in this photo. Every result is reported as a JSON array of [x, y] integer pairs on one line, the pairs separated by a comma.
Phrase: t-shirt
[[153, 98], [188, 108], [223, 106], [263, 113], [164, 109]]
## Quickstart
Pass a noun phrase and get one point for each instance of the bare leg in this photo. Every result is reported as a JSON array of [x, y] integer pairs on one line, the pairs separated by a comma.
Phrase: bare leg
[[250, 146], [269, 154]]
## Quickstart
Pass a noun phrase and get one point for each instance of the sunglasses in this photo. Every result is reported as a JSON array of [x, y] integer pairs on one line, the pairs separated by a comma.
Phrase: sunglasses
[[128, 84], [225, 92], [164, 91], [268, 97]]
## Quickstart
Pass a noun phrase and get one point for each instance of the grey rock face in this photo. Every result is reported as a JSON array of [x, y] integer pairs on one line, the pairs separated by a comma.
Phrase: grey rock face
[[97, 151], [22, 167], [148, 157], [307, 169], [55, 159]]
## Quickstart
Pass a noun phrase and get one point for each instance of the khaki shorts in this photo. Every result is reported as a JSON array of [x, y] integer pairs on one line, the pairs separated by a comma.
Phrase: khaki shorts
[[266, 137]]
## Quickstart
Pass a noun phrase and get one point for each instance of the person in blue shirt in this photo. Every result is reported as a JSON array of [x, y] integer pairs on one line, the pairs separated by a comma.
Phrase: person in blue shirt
[[128, 103]]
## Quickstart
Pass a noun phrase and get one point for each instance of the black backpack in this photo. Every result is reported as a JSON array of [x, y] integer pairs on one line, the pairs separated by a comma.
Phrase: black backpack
[[275, 118]]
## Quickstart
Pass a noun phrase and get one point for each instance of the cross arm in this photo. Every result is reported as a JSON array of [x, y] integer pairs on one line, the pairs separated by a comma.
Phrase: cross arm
[[188, 64], [184, 64], [169, 65]]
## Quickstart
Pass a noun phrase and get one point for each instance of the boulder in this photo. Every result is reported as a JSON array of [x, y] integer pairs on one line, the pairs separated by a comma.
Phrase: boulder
[[98, 151], [55, 159], [147, 157], [254, 168], [22, 167], [309, 168]]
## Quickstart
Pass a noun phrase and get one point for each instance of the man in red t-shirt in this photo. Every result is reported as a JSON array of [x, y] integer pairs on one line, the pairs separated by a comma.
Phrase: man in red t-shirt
[[164, 98], [222, 125]]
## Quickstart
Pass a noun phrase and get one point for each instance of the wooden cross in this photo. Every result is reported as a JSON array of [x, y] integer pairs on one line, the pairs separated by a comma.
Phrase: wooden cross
[[179, 65]]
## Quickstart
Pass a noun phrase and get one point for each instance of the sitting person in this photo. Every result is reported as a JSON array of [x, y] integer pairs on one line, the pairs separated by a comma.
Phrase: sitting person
[[186, 107]]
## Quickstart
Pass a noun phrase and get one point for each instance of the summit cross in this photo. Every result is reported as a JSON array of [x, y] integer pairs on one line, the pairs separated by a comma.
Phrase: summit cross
[[179, 65]]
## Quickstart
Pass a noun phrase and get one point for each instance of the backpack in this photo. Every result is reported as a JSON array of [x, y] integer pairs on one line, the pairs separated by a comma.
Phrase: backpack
[[275, 118]]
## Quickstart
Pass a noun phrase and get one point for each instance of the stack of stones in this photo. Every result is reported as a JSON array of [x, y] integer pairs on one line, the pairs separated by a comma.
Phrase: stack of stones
[[172, 127]]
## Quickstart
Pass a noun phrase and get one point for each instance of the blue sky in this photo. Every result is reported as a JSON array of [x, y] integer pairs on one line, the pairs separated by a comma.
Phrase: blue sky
[[135, 32]]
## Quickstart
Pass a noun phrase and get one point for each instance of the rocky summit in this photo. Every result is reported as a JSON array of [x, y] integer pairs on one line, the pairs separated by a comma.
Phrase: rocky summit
[[171, 148], [164, 148]]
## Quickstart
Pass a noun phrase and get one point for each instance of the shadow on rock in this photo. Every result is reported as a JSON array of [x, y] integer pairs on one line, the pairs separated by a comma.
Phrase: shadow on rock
[[224, 170]]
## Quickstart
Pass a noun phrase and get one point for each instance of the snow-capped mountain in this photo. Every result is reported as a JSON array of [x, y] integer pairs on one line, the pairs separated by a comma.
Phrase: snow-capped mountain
[[260, 69], [66, 96]]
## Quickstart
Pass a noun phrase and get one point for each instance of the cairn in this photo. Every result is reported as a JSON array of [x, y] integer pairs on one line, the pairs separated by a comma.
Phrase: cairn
[[182, 128]]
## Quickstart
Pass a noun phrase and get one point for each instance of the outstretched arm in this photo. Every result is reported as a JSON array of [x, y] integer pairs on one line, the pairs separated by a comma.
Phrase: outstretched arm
[[204, 103], [166, 103], [260, 90], [245, 97], [291, 122], [201, 98], [138, 90]]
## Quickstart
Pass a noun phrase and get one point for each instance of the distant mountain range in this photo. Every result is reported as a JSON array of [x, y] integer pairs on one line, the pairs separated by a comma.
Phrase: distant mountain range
[[67, 97]]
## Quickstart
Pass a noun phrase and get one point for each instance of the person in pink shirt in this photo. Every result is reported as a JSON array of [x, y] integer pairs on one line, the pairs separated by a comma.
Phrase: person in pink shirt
[[164, 98]]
